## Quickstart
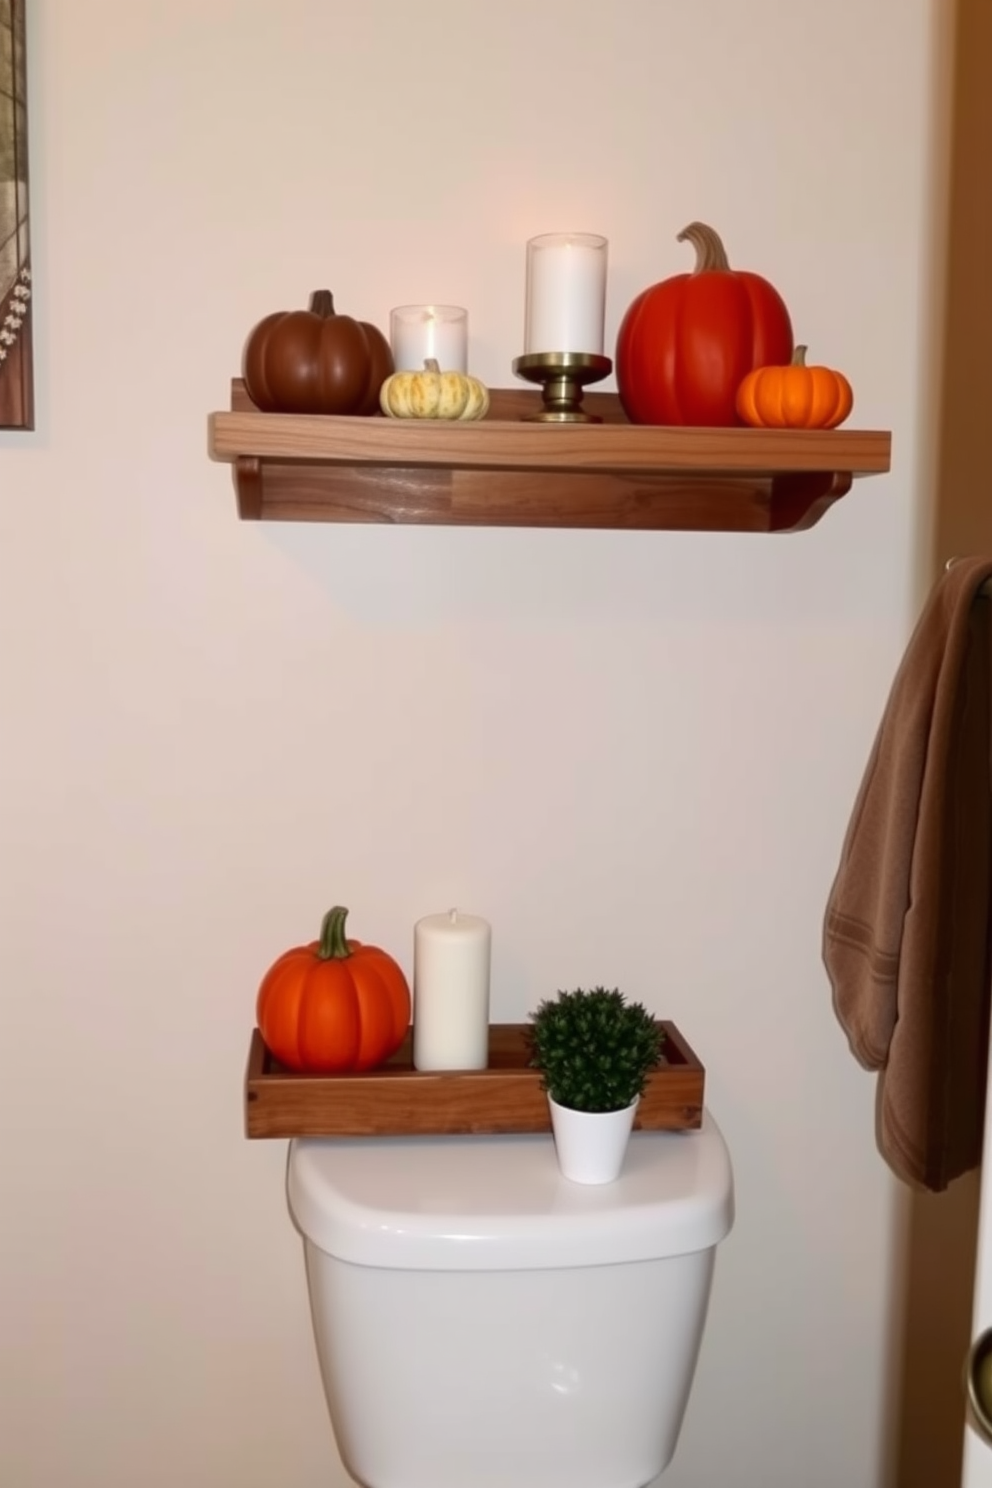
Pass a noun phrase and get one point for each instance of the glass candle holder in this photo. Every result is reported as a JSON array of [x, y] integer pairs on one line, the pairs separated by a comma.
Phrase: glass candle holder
[[566, 294], [419, 333]]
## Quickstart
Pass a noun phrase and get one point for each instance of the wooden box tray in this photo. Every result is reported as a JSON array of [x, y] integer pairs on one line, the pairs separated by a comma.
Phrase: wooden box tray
[[396, 1099]]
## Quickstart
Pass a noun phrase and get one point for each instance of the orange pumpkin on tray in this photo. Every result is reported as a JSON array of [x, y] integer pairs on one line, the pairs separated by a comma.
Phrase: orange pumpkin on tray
[[333, 1005]]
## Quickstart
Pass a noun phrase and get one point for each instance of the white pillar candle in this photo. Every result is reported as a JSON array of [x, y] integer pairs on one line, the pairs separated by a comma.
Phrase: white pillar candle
[[451, 991], [418, 333], [566, 293]]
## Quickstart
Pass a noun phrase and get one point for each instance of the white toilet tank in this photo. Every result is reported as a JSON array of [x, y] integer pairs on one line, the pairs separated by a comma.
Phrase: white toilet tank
[[482, 1322]]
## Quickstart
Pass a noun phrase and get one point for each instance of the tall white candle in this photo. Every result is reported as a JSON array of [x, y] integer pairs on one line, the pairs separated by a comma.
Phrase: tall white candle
[[418, 333], [451, 955], [566, 293]]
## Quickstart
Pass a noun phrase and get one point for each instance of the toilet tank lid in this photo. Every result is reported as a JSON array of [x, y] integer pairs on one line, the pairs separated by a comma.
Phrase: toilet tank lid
[[483, 1203]]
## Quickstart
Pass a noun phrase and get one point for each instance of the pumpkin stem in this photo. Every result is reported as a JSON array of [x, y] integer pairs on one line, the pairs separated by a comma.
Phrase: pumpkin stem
[[333, 944], [710, 252], [799, 356], [432, 365], [322, 303]]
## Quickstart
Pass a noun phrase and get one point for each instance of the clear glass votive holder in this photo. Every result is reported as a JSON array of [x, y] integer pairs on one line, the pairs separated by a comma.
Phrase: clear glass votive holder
[[419, 333]]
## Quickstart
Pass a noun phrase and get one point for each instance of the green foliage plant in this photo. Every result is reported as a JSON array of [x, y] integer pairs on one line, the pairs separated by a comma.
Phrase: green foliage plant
[[594, 1049]]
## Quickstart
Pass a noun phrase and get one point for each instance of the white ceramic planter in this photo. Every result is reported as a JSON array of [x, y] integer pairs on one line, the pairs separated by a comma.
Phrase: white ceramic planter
[[591, 1145]]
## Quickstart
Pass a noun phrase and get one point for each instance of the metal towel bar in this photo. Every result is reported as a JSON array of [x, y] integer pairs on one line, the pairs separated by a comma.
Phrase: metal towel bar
[[986, 589]]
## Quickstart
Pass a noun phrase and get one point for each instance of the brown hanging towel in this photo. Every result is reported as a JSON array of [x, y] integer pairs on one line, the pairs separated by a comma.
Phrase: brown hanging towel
[[909, 920]]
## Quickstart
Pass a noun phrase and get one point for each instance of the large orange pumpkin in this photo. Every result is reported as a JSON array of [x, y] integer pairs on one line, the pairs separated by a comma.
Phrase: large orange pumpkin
[[333, 1005], [795, 397], [686, 344], [316, 361]]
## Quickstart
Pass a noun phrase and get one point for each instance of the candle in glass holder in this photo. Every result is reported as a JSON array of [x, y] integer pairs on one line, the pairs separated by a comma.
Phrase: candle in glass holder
[[419, 333], [451, 991], [566, 293]]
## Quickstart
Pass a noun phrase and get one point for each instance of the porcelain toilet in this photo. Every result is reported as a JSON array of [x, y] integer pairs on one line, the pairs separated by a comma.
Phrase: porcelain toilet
[[482, 1322]]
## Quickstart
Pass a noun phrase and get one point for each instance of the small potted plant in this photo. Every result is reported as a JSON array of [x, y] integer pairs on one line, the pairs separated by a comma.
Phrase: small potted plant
[[595, 1051]]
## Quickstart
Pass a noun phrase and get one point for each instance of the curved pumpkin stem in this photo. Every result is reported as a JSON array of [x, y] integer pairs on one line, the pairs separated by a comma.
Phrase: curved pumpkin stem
[[322, 303], [710, 252], [333, 944], [799, 356]]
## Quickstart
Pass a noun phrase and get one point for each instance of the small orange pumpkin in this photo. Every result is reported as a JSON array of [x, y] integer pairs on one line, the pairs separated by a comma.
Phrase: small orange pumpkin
[[333, 1005], [795, 397]]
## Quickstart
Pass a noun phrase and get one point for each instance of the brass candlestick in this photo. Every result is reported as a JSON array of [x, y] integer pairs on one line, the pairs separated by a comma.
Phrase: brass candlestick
[[562, 375]]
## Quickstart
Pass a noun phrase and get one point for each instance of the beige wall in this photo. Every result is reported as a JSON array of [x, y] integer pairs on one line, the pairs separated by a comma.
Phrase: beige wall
[[635, 754]]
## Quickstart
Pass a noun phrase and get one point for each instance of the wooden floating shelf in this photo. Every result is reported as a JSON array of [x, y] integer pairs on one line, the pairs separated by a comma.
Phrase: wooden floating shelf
[[504, 471], [397, 1100]]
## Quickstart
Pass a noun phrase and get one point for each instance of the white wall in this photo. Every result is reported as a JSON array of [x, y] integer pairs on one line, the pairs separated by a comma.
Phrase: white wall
[[634, 753]]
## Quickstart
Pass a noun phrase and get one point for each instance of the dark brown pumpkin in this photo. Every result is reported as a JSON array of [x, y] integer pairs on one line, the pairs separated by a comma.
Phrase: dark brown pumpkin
[[315, 361]]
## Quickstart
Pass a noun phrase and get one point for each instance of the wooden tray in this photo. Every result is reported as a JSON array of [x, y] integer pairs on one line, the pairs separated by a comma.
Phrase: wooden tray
[[397, 1100]]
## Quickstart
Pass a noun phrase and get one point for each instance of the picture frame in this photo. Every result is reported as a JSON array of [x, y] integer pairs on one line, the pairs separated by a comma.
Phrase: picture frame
[[16, 349]]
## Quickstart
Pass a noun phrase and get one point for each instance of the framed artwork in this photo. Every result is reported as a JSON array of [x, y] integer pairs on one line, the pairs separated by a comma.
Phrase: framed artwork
[[16, 362]]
